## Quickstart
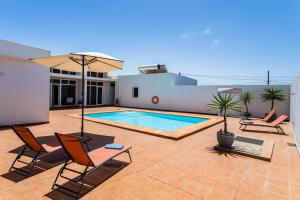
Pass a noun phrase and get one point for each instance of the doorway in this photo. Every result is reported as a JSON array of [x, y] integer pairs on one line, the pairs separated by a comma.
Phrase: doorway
[[94, 93]]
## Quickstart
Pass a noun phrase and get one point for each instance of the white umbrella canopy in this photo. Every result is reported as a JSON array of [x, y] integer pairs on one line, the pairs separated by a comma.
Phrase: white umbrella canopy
[[79, 62], [94, 61]]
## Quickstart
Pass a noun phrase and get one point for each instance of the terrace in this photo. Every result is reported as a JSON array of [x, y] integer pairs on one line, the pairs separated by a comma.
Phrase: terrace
[[162, 168]]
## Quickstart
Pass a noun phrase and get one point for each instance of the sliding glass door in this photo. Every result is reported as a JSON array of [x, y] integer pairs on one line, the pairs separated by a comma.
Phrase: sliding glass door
[[68, 92], [54, 92], [94, 93]]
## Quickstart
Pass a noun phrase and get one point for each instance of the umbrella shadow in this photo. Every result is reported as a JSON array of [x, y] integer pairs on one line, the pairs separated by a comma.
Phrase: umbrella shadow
[[55, 158], [93, 180], [94, 141]]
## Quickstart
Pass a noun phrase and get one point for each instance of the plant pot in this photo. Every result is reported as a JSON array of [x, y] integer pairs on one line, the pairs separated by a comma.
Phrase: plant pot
[[247, 114], [225, 139]]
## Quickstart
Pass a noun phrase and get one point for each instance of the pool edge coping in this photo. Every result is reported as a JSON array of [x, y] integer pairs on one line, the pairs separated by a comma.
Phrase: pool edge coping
[[175, 135]]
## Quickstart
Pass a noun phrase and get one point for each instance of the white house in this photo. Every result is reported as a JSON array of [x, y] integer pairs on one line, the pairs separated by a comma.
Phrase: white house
[[28, 90], [24, 85], [138, 90], [65, 88], [180, 93]]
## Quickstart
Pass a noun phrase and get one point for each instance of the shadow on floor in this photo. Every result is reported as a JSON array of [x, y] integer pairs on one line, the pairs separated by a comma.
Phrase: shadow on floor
[[93, 180], [47, 162], [222, 153], [265, 132], [56, 158], [4, 128]]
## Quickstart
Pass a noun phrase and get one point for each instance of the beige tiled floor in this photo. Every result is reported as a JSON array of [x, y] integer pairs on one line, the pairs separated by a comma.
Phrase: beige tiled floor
[[162, 168]]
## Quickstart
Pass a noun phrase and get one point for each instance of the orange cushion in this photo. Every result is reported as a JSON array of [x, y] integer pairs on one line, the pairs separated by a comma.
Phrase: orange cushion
[[101, 155], [51, 148]]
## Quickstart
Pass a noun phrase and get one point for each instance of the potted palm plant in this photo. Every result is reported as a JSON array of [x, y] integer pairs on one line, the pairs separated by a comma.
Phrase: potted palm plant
[[224, 103], [272, 95], [246, 98]]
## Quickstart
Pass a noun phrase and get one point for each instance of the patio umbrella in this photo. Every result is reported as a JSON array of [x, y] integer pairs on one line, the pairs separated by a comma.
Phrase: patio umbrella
[[78, 62]]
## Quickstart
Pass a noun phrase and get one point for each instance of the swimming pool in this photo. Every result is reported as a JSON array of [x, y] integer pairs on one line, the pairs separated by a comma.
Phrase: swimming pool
[[158, 121]]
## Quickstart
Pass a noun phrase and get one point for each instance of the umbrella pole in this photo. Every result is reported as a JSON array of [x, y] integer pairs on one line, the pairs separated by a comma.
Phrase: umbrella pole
[[82, 98]]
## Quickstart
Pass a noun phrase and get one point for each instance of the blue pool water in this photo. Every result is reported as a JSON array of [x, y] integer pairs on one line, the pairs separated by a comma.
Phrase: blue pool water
[[163, 122]]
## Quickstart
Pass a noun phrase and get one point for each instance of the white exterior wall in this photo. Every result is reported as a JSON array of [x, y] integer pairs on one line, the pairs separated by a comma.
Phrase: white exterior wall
[[183, 80], [15, 50], [187, 98], [24, 89], [108, 94], [149, 85], [24, 85], [196, 98], [295, 109]]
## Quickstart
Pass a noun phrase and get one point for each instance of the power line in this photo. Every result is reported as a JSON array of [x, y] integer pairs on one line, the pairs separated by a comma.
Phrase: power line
[[246, 79], [244, 76]]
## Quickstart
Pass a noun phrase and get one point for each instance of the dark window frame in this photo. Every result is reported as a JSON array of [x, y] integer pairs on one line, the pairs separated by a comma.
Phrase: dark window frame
[[135, 92], [100, 75], [56, 71], [93, 74]]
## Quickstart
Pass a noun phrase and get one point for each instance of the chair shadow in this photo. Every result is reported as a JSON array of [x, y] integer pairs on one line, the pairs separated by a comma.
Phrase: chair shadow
[[93, 180], [56, 158], [265, 132], [45, 163]]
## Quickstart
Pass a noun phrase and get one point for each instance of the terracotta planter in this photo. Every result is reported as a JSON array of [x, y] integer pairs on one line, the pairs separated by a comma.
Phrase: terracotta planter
[[225, 140]]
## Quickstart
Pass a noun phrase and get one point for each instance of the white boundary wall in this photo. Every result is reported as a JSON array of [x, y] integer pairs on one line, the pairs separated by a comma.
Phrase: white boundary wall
[[295, 109], [24, 85], [187, 98]]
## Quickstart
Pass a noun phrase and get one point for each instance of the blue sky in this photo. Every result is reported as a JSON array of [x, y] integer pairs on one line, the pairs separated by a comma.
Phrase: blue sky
[[221, 37]]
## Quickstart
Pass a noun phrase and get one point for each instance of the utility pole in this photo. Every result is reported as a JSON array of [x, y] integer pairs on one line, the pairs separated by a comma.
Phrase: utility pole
[[268, 81]]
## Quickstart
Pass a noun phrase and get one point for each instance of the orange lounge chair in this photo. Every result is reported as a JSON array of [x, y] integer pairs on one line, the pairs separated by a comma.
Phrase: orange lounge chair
[[77, 154], [265, 119], [273, 124], [31, 144]]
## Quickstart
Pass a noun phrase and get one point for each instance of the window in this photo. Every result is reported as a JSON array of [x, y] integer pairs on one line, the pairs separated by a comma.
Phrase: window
[[64, 72], [57, 71], [135, 92], [100, 75], [64, 82], [57, 81], [112, 84], [73, 73], [95, 74]]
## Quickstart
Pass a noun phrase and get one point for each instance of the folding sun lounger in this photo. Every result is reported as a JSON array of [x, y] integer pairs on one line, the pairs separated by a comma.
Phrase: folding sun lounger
[[90, 160], [33, 145], [266, 119], [273, 124]]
